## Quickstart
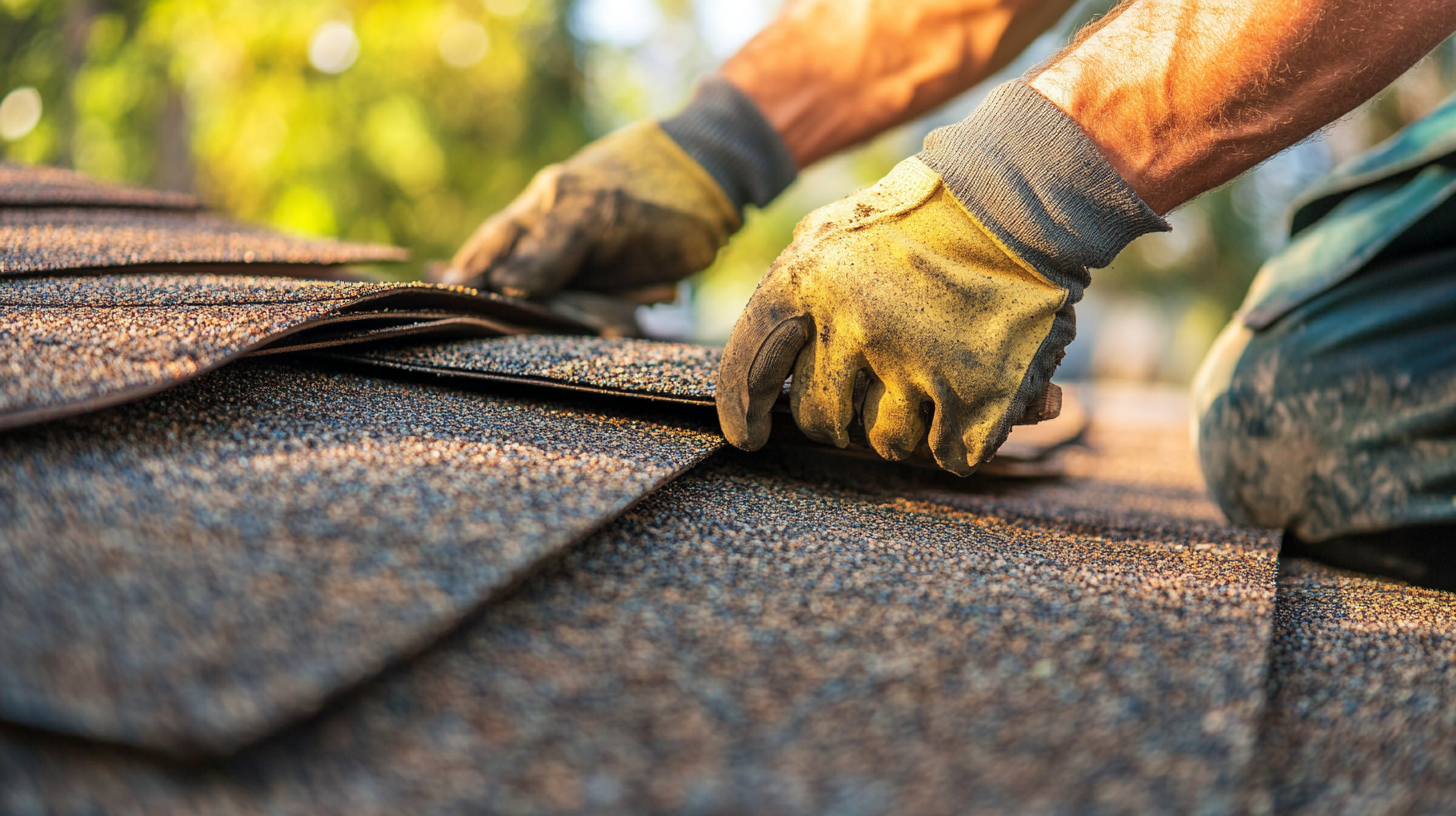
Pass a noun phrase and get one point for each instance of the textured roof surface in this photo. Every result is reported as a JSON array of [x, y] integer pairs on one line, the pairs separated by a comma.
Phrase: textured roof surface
[[1362, 711], [798, 632], [195, 569], [639, 367], [22, 185], [55, 239], [74, 344], [794, 632]]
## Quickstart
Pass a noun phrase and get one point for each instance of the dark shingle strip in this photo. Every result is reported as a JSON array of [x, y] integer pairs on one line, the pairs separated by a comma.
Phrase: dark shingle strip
[[750, 641], [74, 344], [190, 572], [641, 367]]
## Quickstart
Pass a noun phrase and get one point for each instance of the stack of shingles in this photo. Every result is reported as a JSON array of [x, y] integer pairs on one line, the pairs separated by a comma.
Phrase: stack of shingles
[[477, 576]]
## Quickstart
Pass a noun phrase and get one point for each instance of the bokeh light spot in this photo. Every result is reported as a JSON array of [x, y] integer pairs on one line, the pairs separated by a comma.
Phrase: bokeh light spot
[[622, 23], [19, 113], [333, 47], [505, 8], [305, 210], [464, 44]]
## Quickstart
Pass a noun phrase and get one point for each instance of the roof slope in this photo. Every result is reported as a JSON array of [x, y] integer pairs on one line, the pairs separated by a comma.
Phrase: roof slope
[[791, 633], [191, 572]]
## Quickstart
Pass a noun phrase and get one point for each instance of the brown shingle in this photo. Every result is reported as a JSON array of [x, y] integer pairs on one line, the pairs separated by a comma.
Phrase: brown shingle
[[189, 572], [647, 368], [30, 186], [795, 633], [1362, 710], [76, 344]]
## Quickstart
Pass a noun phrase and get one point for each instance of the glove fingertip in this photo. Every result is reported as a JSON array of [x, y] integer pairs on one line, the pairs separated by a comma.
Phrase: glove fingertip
[[750, 379], [749, 436]]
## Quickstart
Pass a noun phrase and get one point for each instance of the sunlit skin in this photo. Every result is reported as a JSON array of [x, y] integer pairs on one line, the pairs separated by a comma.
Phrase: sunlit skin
[[832, 73], [1180, 95]]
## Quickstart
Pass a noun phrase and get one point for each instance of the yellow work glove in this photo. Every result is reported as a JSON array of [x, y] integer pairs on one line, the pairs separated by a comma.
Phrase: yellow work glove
[[954, 298], [647, 205]]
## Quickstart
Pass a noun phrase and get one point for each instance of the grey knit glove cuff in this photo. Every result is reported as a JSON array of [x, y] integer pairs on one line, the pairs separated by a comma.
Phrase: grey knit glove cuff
[[1029, 174], [724, 131]]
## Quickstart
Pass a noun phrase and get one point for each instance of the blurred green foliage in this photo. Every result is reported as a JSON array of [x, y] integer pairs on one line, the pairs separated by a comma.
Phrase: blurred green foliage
[[219, 96]]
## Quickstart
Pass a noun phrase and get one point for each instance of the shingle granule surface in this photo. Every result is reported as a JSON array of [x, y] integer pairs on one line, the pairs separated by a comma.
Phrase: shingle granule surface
[[1362, 706], [789, 632], [642, 367], [52, 186], [190, 572], [57, 239], [75, 344]]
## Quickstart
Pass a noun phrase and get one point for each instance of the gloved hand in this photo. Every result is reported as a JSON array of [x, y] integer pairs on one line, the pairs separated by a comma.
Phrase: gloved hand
[[630, 210], [647, 205], [950, 282]]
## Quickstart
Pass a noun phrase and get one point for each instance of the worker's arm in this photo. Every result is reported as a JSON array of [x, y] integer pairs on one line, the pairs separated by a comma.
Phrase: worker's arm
[[653, 203], [832, 73], [952, 281], [1182, 96]]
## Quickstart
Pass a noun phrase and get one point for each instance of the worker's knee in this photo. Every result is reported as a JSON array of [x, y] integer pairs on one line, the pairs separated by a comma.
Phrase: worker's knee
[[1340, 418], [1248, 472]]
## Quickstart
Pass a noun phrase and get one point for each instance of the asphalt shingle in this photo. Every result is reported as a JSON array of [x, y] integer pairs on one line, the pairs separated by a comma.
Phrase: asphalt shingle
[[76, 344], [648, 368], [793, 632], [189, 572], [39, 240]]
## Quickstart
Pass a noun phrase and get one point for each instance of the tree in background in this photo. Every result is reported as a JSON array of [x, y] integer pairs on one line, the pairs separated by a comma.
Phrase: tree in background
[[380, 120]]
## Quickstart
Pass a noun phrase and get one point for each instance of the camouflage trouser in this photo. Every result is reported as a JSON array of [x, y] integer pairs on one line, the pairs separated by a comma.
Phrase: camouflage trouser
[[1327, 407], [1339, 418]]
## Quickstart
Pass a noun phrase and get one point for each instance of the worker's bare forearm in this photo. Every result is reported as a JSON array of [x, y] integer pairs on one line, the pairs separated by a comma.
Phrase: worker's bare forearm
[[1184, 95], [831, 73]]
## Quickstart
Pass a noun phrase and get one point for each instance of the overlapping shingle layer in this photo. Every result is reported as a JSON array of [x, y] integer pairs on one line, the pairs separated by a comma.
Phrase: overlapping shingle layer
[[190, 572], [653, 370], [74, 344]]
